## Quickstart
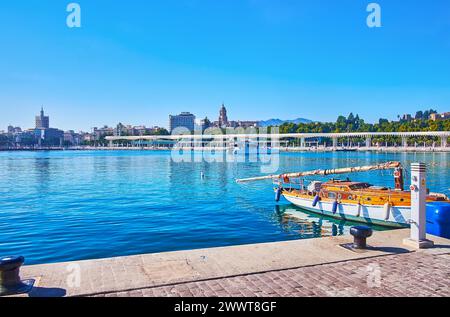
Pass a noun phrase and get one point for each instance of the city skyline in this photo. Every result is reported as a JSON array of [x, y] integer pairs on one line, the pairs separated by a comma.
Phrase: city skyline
[[42, 121], [275, 60]]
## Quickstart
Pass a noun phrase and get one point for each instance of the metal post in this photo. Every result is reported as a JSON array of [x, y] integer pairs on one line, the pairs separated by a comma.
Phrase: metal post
[[10, 282], [418, 208]]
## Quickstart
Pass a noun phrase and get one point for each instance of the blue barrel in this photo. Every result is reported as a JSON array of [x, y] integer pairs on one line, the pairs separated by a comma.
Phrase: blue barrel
[[438, 219]]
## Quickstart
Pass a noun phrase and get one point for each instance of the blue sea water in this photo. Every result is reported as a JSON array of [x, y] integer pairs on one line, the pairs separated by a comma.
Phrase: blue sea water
[[63, 206]]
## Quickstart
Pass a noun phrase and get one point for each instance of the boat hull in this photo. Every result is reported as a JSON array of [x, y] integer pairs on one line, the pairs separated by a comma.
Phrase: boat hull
[[369, 214]]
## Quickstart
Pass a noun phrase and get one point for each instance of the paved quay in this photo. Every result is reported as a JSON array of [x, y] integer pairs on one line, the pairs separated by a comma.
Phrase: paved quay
[[315, 267], [389, 276]]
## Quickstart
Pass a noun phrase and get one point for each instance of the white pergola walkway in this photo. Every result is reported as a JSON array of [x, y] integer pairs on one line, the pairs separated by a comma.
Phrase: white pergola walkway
[[368, 136]]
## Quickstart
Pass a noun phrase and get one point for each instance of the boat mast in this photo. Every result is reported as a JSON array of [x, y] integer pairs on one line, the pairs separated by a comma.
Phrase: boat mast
[[384, 166]]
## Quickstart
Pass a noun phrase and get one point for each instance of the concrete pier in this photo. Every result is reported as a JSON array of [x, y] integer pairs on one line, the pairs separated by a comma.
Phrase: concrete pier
[[315, 267]]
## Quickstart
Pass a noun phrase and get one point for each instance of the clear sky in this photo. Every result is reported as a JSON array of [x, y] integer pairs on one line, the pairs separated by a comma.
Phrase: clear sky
[[137, 61]]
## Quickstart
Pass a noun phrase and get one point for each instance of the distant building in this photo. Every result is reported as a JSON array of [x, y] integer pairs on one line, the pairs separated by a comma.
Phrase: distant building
[[49, 137], [44, 135], [224, 122], [98, 133], [183, 120], [24, 138], [42, 121], [87, 137], [14, 130], [442, 116], [129, 130], [223, 117], [72, 138], [120, 130], [247, 124], [140, 130]]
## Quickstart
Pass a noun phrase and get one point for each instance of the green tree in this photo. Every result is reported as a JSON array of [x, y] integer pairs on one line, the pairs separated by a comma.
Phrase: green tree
[[356, 124]]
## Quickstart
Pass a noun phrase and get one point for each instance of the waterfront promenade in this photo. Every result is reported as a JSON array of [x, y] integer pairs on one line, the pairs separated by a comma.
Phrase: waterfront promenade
[[314, 267], [389, 149]]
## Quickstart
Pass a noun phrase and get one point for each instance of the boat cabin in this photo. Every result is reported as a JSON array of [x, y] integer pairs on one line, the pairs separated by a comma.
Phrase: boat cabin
[[347, 191]]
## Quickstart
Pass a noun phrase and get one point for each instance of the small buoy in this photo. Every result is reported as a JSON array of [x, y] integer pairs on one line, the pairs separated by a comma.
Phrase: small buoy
[[316, 200], [335, 206], [387, 211], [278, 194]]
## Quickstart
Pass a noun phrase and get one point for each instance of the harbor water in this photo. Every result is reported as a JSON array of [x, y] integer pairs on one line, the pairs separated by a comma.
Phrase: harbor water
[[75, 205]]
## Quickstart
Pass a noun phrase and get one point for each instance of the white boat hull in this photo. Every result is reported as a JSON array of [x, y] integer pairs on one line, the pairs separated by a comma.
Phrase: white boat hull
[[397, 217]]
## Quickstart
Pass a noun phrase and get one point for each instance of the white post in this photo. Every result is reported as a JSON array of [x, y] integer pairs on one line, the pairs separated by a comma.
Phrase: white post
[[303, 143], [444, 141], [418, 208], [404, 141]]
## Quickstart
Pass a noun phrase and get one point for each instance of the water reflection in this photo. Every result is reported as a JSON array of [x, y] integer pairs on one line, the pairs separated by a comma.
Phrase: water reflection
[[42, 173], [306, 224]]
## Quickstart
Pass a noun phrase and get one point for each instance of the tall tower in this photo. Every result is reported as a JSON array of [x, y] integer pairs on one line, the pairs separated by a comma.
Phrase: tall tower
[[42, 121], [223, 118]]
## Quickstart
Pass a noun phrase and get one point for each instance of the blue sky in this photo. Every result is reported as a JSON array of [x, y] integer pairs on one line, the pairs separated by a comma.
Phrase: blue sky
[[138, 61]]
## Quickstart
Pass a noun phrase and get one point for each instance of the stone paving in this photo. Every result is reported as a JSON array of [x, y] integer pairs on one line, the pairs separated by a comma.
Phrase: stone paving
[[417, 274], [311, 267]]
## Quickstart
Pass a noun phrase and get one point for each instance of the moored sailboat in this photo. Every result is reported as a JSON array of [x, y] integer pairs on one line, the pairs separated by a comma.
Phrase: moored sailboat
[[348, 200]]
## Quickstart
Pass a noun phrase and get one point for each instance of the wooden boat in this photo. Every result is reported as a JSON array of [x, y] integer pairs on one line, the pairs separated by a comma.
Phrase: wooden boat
[[354, 201]]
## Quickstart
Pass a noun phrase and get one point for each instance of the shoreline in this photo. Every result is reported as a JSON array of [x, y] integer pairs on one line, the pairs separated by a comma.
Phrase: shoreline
[[284, 150]]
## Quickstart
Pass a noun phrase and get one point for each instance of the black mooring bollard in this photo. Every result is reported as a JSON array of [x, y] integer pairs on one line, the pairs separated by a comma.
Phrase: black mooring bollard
[[10, 282], [360, 234]]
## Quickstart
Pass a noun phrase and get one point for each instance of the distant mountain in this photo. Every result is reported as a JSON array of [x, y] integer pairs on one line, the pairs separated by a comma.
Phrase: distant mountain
[[278, 122]]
